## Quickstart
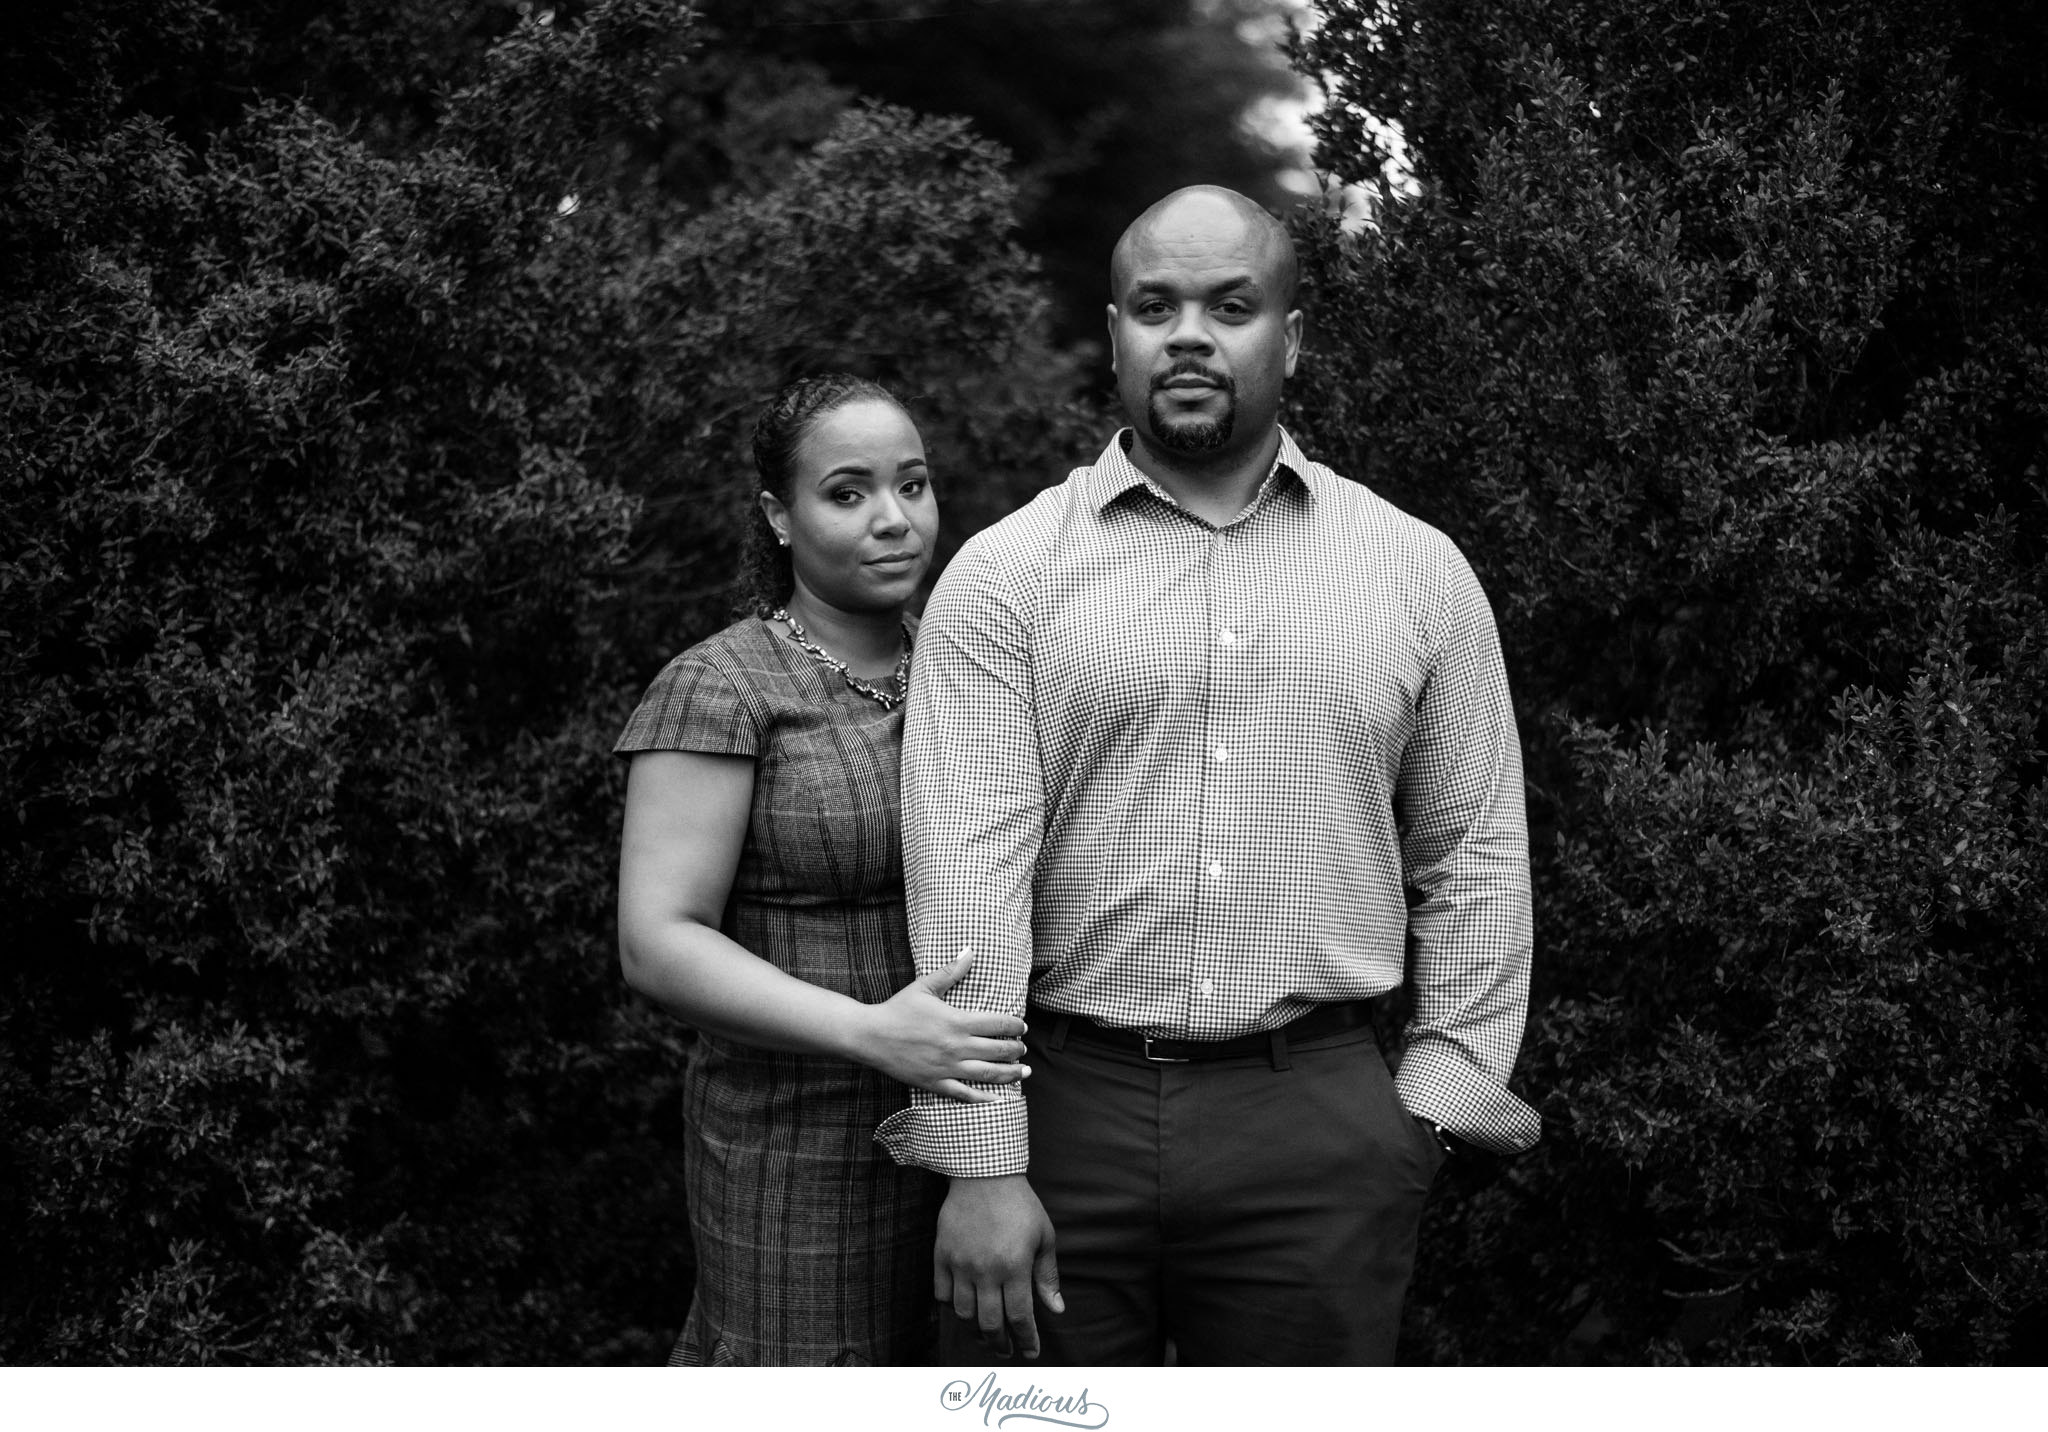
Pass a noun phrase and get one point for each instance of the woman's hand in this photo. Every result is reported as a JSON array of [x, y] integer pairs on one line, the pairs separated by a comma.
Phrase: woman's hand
[[916, 1037]]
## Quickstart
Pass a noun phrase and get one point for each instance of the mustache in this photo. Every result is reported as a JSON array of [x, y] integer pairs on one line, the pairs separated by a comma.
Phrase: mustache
[[1189, 368]]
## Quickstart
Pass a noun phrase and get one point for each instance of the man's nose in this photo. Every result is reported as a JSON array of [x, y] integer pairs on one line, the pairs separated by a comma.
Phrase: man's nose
[[1190, 330]]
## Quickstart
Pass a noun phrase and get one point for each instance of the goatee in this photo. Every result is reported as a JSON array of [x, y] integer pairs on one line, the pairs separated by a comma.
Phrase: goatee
[[1196, 435]]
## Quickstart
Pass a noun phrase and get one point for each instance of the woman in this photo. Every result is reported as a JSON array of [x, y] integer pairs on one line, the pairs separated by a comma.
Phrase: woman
[[761, 899]]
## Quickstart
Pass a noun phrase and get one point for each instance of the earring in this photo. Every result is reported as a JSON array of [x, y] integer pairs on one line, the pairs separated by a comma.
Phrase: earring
[[780, 540]]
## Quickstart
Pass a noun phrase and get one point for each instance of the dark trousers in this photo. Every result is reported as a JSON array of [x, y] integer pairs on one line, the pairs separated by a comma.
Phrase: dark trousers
[[1250, 1214]]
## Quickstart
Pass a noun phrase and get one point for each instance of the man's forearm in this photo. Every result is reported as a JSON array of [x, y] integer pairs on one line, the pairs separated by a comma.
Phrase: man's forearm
[[973, 816]]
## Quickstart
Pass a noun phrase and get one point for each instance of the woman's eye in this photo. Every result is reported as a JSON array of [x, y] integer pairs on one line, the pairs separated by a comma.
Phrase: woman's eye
[[915, 486], [846, 496]]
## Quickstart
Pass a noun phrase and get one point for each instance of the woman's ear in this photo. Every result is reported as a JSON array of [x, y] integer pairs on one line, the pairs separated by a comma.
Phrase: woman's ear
[[778, 516]]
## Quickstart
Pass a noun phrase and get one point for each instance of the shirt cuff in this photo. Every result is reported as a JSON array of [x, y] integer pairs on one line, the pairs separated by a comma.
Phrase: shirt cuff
[[959, 1140], [1437, 1082]]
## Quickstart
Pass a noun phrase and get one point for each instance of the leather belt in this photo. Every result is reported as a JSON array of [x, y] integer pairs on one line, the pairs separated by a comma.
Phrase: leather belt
[[1333, 1018]]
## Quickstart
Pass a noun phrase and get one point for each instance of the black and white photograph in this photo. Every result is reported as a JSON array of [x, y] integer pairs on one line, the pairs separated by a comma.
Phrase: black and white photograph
[[1025, 690]]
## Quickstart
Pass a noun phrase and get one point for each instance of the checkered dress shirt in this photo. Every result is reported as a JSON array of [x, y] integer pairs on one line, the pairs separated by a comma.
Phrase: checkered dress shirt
[[1188, 779]]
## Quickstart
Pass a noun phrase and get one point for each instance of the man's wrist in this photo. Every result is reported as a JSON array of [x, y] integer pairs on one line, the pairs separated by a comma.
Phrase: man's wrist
[[1449, 1142], [982, 1187]]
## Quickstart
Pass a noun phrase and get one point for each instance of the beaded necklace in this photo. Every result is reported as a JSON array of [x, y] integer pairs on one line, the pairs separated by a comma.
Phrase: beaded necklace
[[888, 700]]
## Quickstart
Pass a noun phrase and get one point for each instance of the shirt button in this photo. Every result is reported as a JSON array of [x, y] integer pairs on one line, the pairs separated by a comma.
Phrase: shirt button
[[1208, 987], [1215, 870], [1221, 754], [1224, 638]]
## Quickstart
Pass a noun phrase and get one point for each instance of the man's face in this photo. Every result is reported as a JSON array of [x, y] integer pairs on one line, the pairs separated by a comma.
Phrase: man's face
[[1200, 334]]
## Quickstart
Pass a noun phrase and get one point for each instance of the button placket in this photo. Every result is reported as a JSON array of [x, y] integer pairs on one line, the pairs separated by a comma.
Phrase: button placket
[[1217, 675]]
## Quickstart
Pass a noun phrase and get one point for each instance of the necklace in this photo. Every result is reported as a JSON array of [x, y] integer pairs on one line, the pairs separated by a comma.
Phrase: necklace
[[888, 700]]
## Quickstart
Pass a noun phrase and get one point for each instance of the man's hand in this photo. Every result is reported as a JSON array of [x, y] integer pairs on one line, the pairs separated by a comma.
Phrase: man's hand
[[995, 1246]]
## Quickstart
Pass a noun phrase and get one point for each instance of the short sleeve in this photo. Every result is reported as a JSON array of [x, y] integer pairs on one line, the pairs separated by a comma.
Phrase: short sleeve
[[694, 705]]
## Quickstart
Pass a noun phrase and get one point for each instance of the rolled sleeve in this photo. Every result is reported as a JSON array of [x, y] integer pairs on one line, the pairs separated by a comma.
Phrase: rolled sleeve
[[973, 820], [1465, 852]]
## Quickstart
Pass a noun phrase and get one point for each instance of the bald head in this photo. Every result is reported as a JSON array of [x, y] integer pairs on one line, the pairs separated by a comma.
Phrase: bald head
[[1211, 209], [1203, 332]]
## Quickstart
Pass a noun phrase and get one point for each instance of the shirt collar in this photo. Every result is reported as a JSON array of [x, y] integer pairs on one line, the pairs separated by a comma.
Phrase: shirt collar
[[1114, 474]]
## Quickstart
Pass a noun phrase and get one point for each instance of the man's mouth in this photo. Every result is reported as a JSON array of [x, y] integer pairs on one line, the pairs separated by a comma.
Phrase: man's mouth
[[1192, 381]]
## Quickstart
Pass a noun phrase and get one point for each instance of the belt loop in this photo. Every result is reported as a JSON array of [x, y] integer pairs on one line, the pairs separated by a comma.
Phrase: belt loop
[[1060, 1027], [1277, 1048]]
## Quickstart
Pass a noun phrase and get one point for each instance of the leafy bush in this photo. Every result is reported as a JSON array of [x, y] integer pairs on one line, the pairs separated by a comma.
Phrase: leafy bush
[[353, 482], [1722, 365]]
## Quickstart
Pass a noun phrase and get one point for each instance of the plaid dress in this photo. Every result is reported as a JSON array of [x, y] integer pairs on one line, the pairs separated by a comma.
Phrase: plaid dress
[[813, 1246]]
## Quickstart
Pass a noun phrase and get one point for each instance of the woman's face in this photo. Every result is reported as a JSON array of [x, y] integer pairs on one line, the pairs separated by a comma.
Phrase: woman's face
[[860, 519]]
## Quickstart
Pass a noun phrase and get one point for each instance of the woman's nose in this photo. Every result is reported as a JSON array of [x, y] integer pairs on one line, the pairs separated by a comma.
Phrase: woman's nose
[[889, 515]]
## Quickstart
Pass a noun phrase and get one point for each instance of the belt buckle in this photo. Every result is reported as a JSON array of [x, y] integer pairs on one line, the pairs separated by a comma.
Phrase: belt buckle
[[1161, 1058]]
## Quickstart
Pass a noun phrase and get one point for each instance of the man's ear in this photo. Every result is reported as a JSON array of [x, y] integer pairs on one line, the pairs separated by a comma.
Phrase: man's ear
[[1293, 340], [1111, 309], [777, 514]]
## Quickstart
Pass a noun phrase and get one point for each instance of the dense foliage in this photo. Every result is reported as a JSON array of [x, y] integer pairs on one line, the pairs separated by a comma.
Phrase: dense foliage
[[1713, 333], [374, 380], [356, 469], [1104, 107]]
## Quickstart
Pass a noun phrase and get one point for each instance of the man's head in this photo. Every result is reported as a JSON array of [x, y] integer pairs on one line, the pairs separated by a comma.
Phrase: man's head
[[1202, 324]]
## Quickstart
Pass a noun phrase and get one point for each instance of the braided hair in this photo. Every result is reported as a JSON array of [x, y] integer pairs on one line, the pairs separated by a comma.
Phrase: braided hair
[[766, 576]]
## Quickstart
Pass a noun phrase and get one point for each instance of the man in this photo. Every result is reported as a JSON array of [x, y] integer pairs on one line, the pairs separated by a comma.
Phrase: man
[[1200, 742]]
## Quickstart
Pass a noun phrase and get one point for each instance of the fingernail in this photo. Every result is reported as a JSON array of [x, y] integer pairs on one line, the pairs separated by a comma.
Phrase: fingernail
[[1027, 1071]]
